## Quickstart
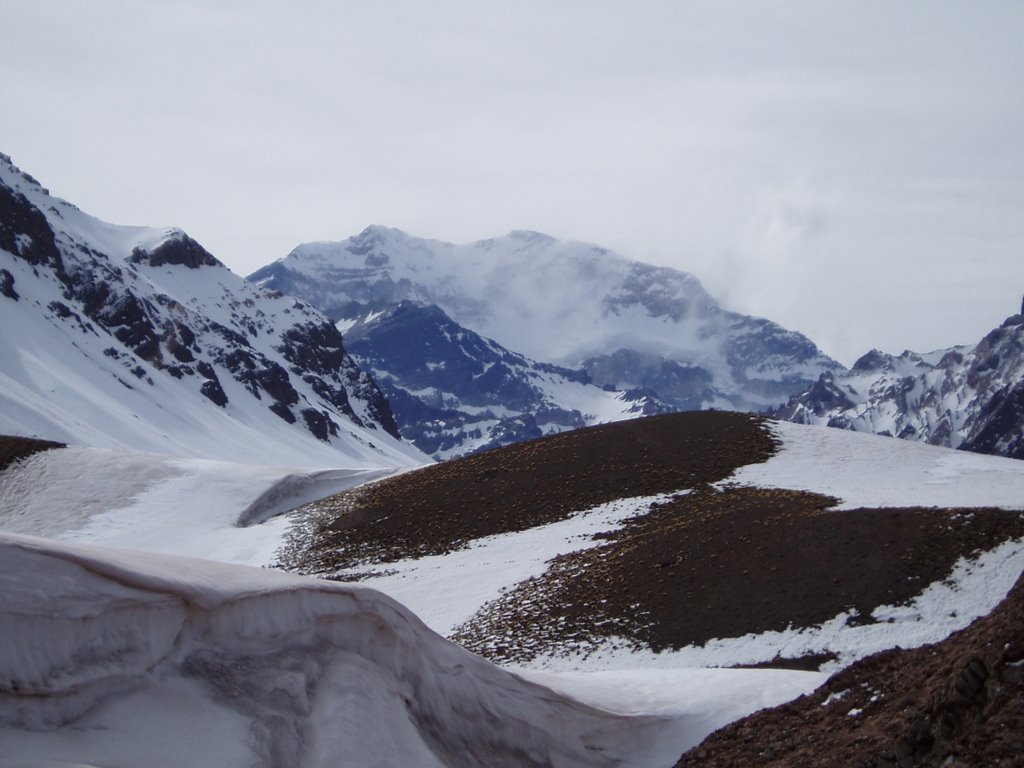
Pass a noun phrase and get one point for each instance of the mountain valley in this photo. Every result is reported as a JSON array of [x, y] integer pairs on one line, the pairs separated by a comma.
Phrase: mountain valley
[[223, 540]]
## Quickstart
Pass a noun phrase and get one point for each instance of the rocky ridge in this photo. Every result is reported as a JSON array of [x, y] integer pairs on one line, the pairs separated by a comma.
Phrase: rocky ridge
[[151, 305], [969, 397]]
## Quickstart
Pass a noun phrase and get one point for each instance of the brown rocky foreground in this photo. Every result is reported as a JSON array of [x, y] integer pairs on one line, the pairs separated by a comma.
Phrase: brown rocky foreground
[[956, 703]]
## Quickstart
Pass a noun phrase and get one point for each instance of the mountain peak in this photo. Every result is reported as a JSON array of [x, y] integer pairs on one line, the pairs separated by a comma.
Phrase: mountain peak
[[176, 249], [378, 231], [530, 236]]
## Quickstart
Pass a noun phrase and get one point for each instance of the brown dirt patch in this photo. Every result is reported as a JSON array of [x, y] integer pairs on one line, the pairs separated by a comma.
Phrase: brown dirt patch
[[724, 563], [443, 507], [13, 449], [955, 703]]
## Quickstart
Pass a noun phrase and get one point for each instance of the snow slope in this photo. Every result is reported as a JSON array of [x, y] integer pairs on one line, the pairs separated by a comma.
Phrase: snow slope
[[159, 504], [865, 470], [130, 649], [137, 338], [200, 508]]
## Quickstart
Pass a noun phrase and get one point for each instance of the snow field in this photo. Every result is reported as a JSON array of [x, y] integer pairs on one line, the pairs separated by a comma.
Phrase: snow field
[[286, 670], [157, 642]]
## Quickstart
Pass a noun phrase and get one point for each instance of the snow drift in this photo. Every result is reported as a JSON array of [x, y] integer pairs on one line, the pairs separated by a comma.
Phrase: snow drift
[[114, 657]]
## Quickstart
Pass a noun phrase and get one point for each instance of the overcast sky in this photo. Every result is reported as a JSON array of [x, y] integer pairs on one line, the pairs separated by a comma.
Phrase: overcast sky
[[852, 170]]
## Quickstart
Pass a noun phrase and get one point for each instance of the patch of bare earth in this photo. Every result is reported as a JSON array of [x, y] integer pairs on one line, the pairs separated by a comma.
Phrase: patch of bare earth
[[14, 449], [955, 703], [445, 506]]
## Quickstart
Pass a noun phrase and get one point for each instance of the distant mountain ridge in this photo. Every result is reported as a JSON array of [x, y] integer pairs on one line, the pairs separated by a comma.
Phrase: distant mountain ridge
[[138, 337], [619, 325], [969, 397], [453, 391]]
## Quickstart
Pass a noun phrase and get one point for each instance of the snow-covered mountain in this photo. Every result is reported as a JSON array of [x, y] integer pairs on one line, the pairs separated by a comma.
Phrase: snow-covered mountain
[[628, 325], [134, 337], [453, 391], [969, 397]]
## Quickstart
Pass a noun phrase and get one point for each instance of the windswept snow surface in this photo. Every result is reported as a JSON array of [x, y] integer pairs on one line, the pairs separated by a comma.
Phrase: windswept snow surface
[[214, 509], [161, 504], [864, 470], [115, 657], [316, 670]]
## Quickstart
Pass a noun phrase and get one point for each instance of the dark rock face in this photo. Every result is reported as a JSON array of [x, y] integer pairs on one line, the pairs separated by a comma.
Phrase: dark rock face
[[182, 251], [319, 423], [25, 232], [317, 350], [211, 388], [424, 348], [820, 398], [684, 387], [7, 285], [999, 427], [870, 361]]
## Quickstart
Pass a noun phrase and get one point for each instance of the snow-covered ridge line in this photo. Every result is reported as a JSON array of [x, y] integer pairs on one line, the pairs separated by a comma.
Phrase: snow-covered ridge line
[[314, 669]]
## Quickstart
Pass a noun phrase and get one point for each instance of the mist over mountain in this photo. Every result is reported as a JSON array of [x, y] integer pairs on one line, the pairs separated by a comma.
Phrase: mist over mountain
[[618, 325]]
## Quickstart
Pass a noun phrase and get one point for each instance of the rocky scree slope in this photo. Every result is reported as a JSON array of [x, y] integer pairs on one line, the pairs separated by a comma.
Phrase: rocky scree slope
[[969, 397], [955, 703], [138, 337], [623, 325], [704, 561]]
